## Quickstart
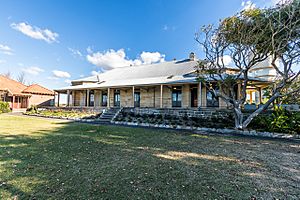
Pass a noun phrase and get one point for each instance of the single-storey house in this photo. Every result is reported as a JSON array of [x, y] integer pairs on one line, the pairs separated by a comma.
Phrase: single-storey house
[[20, 96], [171, 84]]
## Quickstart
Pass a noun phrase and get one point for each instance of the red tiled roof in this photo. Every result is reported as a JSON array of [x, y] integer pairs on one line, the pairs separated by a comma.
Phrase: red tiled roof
[[38, 89], [11, 85], [17, 88]]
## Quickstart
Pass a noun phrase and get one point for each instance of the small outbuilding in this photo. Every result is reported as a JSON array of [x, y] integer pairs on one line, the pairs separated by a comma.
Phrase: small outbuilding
[[20, 97]]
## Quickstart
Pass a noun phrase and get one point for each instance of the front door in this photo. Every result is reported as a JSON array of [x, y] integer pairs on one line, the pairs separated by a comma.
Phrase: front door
[[104, 99], [117, 98], [92, 98], [176, 96], [194, 97], [137, 99]]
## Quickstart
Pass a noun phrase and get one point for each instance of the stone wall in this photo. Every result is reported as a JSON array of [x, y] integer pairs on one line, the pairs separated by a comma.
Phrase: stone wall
[[204, 113], [126, 97], [79, 98], [148, 97]]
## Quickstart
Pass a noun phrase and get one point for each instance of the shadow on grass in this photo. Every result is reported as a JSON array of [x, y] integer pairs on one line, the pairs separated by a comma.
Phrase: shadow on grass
[[78, 161]]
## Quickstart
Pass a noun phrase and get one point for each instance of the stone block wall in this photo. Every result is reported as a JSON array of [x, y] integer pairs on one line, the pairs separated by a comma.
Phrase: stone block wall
[[79, 98], [204, 113], [148, 97], [126, 97]]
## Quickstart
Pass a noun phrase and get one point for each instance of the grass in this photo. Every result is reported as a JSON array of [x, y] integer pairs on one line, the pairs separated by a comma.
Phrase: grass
[[51, 159]]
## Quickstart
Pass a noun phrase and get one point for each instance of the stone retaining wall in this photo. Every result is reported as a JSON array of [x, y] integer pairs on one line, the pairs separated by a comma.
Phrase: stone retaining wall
[[223, 131], [202, 113]]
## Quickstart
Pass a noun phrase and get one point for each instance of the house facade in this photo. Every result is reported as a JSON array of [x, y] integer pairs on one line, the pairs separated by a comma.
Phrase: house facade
[[20, 97], [170, 84]]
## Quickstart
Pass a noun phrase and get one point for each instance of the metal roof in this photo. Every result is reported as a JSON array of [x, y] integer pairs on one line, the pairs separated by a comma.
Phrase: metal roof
[[174, 68]]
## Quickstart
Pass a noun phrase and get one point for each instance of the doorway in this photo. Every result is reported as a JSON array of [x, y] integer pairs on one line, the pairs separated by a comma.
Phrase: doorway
[[194, 97], [117, 98]]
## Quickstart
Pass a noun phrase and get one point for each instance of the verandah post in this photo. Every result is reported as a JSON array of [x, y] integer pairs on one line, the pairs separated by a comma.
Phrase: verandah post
[[161, 96]]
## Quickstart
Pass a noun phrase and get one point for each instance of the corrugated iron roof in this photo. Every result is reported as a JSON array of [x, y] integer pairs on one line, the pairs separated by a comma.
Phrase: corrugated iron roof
[[171, 68]]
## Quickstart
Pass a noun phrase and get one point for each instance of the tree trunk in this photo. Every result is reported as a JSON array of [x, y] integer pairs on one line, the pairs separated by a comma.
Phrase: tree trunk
[[259, 110], [238, 118]]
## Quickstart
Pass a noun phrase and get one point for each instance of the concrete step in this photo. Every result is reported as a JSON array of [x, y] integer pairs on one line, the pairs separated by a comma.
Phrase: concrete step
[[103, 117], [109, 114], [107, 120]]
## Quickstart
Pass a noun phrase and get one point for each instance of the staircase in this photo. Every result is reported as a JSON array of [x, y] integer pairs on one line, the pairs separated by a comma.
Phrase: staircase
[[108, 115]]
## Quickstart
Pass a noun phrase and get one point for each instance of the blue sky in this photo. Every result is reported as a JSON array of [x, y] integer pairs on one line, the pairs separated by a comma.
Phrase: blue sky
[[56, 41]]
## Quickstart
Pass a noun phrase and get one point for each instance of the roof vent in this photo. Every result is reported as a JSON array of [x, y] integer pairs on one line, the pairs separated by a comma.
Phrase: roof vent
[[98, 78], [192, 56]]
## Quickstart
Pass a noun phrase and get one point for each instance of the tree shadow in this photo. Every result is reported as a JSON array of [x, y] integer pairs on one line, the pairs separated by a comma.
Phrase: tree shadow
[[80, 161]]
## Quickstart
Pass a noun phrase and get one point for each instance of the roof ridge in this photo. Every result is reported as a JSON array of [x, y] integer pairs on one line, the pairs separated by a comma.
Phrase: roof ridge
[[10, 79], [39, 86]]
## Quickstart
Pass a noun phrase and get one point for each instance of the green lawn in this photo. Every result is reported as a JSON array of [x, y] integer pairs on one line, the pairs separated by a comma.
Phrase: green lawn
[[50, 159]]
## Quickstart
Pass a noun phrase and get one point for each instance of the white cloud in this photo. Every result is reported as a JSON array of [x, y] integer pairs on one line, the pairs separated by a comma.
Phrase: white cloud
[[248, 5], [75, 52], [33, 70], [152, 57], [115, 59], [60, 74], [68, 81], [94, 73], [227, 60], [35, 32], [89, 50], [2, 61], [4, 49], [52, 78], [169, 28]]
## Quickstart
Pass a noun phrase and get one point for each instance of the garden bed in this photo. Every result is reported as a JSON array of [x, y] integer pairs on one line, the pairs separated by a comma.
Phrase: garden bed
[[268, 124], [64, 114]]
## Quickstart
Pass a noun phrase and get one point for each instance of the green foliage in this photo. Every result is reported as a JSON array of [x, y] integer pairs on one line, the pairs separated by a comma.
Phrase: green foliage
[[32, 109], [280, 120], [292, 98], [261, 23], [4, 107], [61, 113]]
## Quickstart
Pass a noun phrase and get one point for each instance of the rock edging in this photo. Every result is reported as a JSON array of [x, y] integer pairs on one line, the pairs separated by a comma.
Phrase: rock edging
[[214, 130]]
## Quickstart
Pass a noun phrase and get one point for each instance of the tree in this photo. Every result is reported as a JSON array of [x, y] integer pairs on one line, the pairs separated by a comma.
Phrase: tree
[[249, 38], [8, 74], [21, 78], [292, 98]]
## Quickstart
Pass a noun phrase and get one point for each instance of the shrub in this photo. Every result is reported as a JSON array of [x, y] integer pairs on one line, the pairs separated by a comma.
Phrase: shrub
[[32, 109], [4, 107], [280, 120]]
